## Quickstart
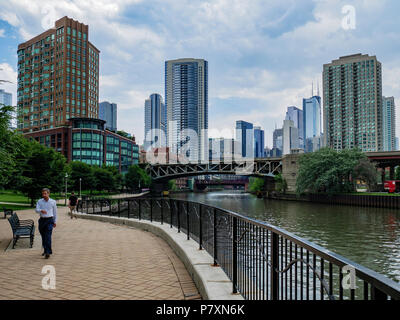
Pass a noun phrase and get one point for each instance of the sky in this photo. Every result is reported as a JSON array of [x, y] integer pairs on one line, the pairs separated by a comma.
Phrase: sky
[[263, 55]]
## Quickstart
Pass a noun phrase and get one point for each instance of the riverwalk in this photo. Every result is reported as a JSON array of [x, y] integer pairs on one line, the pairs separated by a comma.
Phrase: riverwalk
[[92, 260]]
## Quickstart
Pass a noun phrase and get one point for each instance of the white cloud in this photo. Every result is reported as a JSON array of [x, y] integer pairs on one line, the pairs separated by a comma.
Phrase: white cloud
[[2, 31]]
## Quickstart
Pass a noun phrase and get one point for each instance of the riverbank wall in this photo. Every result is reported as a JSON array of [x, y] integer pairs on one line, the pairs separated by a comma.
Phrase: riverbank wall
[[375, 201]]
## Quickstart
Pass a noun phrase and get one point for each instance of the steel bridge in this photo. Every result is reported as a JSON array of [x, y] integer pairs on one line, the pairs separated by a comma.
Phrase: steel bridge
[[258, 168]]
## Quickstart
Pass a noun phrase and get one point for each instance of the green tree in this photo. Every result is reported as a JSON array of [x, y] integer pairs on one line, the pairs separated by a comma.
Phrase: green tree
[[172, 185], [136, 178], [328, 171], [103, 179], [80, 170], [44, 168], [280, 183], [365, 170], [256, 184], [117, 177]]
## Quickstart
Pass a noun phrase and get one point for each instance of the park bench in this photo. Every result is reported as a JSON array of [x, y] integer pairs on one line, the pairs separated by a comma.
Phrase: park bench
[[21, 229], [7, 212]]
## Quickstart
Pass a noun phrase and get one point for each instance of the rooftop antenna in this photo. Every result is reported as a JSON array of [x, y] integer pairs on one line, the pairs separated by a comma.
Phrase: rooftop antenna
[[312, 88], [318, 88]]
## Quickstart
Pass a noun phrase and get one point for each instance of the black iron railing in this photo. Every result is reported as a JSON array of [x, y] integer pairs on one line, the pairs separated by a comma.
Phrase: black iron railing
[[263, 262]]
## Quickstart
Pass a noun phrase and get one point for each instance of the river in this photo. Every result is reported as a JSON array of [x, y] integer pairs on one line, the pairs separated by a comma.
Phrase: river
[[368, 236]]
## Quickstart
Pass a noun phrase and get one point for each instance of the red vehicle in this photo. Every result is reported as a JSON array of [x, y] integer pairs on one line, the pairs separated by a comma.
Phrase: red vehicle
[[392, 186]]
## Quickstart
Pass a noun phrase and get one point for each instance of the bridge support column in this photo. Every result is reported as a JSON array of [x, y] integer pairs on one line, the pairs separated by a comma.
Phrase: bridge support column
[[383, 175], [158, 187], [391, 172]]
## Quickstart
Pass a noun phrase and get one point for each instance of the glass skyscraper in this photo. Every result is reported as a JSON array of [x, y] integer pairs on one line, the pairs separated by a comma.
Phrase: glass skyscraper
[[245, 138], [258, 142], [186, 99], [155, 118], [353, 103], [296, 115], [312, 124], [108, 113], [5, 98], [389, 124]]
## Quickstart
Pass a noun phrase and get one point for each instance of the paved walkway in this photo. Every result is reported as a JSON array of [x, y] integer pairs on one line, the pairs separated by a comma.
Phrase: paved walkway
[[93, 260]]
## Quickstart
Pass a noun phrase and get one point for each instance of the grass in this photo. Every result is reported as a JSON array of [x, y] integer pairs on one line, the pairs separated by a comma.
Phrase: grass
[[12, 207], [14, 197], [375, 194]]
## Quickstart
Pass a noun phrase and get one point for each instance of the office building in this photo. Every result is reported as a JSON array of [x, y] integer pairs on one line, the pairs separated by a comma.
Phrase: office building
[[221, 149], [290, 137], [5, 98], [88, 141], [277, 140], [312, 124], [296, 115], [155, 118], [259, 143], [108, 113], [186, 99], [58, 77], [245, 139], [388, 124], [352, 89]]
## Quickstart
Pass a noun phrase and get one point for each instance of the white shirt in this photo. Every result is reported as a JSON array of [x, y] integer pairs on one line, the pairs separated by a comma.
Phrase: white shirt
[[49, 206]]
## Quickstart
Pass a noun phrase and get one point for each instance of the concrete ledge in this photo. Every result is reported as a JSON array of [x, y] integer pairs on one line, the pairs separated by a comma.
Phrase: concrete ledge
[[212, 282]]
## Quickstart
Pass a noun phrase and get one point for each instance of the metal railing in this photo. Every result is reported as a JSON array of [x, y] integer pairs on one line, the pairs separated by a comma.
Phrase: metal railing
[[263, 262]]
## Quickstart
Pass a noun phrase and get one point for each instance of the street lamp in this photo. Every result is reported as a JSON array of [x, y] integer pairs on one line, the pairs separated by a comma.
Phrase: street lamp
[[80, 188], [66, 179]]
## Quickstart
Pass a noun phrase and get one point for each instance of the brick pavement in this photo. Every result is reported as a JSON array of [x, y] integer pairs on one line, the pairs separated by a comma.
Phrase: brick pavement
[[93, 260]]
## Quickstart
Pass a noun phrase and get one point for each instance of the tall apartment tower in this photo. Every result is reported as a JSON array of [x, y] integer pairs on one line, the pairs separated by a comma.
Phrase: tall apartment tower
[[353, 103], [312, 124], [186, 98], [388, 124], [58, 77], [108, 113], [155, 117], [259, 143]]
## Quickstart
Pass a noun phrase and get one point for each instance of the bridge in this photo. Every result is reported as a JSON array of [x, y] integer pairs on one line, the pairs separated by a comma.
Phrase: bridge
[[257, 168]]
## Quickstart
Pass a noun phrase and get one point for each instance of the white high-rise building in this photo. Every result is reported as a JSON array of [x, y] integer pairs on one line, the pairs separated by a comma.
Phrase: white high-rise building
[[186, 99], [290, 137]]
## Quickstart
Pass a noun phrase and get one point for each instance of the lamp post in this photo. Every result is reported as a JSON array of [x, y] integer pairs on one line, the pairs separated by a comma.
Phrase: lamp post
[[66, 179], [80, 188]]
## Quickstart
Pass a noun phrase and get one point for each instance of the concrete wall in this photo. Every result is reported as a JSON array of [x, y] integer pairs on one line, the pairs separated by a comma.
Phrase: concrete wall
[[290, 168]]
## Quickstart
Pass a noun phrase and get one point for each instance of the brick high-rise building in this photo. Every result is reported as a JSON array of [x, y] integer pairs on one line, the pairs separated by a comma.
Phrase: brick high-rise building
[[58, 77], [353, 103]]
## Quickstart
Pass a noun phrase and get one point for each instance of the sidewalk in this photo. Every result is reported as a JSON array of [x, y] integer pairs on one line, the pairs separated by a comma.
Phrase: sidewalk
[[93, 260]]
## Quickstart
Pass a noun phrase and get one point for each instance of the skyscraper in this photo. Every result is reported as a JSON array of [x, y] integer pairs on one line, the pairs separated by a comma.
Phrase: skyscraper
[[258, 142], [5, 98], [388, 124], [58, 77], [353, 103], [290, 137], [245, 139], [277, 139], [186, 98], [155, 117], [108, 113], [296, 115], [312, 124]]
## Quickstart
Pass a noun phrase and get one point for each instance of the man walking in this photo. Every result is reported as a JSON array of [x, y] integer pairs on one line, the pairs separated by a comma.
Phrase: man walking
[[73, 202], [47, 208]]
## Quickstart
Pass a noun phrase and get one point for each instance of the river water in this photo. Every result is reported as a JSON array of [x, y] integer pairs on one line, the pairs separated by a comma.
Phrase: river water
[[368, 236]]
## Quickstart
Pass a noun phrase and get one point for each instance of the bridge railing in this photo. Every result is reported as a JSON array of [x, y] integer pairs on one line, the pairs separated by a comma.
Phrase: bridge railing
[[263, 262]]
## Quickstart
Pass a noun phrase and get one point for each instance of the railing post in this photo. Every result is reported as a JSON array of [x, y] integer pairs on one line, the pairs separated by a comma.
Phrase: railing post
[[140, 209], [215, 237], [376, 294], [187, 220], [101, 207], [200, 227], [161, 211], [151, 210], [119, 208], [234, 255], [93, 207], [170, 210], [274, 266], [129, 208], [179, 217]]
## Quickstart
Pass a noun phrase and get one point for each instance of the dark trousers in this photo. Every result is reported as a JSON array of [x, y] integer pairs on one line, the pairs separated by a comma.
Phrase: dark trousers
[[46, 229]]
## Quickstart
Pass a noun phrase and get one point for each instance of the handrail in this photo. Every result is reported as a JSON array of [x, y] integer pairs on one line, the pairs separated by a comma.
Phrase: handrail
[[380, 285]]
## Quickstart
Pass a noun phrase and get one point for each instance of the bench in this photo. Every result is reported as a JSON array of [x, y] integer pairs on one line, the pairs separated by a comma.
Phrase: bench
[[7, 212], [21, 229]]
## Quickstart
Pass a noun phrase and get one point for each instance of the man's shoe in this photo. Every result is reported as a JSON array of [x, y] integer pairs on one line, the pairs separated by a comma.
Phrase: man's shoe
[[43, 254], [47, 256]]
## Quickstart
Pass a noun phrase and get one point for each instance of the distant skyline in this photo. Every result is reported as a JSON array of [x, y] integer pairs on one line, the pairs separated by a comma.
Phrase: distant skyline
[[262, 58]]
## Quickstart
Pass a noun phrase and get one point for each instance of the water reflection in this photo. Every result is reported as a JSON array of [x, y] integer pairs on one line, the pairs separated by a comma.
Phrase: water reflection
[[368, 236]]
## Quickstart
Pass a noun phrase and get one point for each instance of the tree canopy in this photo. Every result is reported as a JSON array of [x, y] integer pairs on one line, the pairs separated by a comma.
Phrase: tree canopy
[[333, 171]]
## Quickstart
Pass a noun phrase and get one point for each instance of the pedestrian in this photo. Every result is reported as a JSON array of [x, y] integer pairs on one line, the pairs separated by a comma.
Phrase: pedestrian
[[73, 202], [47, 208]]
